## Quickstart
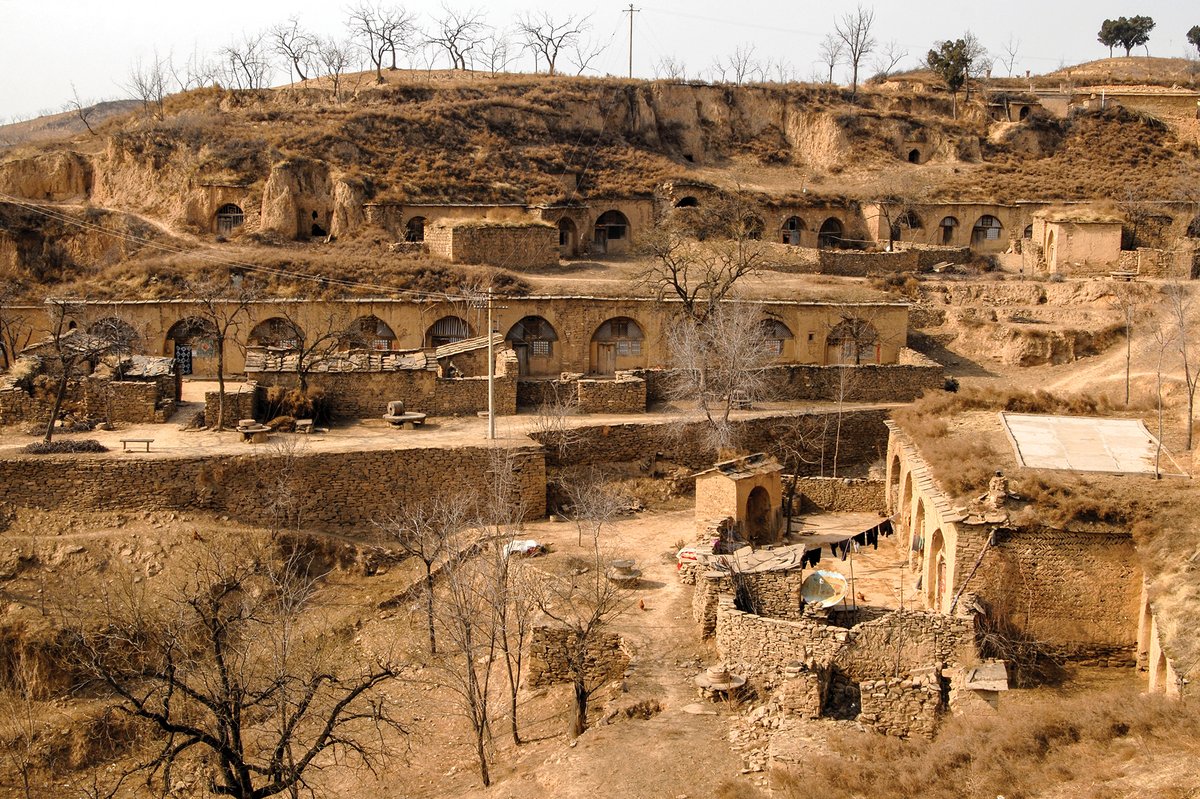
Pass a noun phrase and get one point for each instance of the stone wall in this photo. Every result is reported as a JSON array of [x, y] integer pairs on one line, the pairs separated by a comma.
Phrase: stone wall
[[323, 490], [802, 694], [549, 662], [838, 495], [863, 441], [505, 244], [900, 382], [903, 707], [895, 643], [238, 405], [464, 396], [95, 398], [710, 586], [622, 395], [771, 593], [910, 258]]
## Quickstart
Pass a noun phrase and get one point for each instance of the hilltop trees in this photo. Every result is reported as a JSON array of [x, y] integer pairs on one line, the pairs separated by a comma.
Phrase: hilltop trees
[[952, 62], [854, 31], [1127, 32], [1193, 36]]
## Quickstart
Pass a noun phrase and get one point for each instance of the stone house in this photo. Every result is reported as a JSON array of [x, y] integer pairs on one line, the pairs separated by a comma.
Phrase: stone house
[[748, 491], [1076, 242]]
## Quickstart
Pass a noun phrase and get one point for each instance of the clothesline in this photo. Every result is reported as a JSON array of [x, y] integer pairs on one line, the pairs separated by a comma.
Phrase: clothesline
[[841, 543]]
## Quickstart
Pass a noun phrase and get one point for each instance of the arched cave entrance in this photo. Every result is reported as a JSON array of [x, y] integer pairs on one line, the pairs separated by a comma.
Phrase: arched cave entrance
[[759, 517]]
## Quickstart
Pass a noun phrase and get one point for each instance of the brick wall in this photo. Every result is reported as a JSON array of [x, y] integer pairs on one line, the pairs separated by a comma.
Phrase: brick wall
[[325, 490], [864, 440], [622, 395], [549, 645]]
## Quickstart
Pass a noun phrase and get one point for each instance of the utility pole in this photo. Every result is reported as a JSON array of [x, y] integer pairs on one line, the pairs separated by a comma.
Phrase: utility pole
[[491, 432], [631, 11]]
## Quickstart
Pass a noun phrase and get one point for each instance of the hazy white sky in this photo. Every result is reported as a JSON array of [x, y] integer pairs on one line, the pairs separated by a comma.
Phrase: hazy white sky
[[48, 45]]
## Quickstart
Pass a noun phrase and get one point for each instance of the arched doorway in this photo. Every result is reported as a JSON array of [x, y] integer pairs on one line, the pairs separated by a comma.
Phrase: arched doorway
[[446, 330], [793, 226], [414, 229], [906, 221], [276, 332], [986, 231], [948, 225], [830, 234], [759, 517], [1024, 113], [853, 341], [611, 233], [936, 573], [904, 517], [916, 539], [753, 226], [914, 156], [568, 237], [193, 344], [893, 495], [317, 230], [687, 202], [1051, 246], [369, 333], [616, 344], [229, 218], [532, 339]]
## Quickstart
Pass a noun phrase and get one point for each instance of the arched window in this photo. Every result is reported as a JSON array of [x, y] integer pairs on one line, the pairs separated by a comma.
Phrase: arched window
[[1027, 233], [533, 339], [414, 230], [229, 217], [906, 221], [774, 333], [948, 226], [687, 202], [988, 228], [446, 330], [276, 332], [830, 234], [792, 227], [853, 341], [369, 333], [117, 331]]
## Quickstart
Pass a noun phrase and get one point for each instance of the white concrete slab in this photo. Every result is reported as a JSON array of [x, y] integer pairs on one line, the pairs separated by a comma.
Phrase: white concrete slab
[[1085, 444]]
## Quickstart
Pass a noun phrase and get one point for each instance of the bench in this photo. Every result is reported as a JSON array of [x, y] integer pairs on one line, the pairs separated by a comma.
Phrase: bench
[[304, 426], [125, 442]]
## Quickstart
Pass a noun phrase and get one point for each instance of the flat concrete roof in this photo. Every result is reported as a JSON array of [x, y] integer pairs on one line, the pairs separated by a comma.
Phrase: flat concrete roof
[[1085, 444]]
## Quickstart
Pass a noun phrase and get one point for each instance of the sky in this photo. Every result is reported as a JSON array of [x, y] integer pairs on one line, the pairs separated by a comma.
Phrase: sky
[[49, 49]]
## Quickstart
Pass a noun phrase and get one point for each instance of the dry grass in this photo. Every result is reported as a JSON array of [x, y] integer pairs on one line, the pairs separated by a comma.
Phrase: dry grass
[[1096, 745]]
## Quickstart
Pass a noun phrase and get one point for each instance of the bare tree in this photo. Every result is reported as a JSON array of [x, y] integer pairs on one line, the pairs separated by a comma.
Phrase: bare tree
[[247, 62], [15, 329], [222, 307], [335, 59], [70, 349], [583, 52], [594, 502], [197, 72], [147, 83], [854, 31], [295, 45], [889, 58], [495, 51], [743, 65], [798, 442], [1011, 48], [222, 675], [670, 68], [585, 605], [81, 109], [319, 343], [831, 51], [719, 363], [552, 424], [1127, 301], [425, 529], [382, 30], [546, 36], [24, 724], [459, 34], [1179, 302]]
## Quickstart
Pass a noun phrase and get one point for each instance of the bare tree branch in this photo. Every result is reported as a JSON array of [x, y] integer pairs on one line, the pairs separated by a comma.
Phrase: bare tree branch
[[547, 36]]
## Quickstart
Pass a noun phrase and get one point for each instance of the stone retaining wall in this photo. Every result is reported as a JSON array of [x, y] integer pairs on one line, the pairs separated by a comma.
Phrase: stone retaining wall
[[838, 495], [96, 398], [324, 490], [621, 395], [508, 245], [238, 405], [549, 663], [710, 585], [771, 593], [903, 707]]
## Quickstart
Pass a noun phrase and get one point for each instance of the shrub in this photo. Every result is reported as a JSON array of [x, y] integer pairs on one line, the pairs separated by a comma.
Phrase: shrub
[[61, 447]]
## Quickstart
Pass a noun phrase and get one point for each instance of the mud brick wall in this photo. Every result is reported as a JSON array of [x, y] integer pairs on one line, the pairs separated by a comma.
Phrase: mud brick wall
[[864, 440], [326, 490], [904, 707], [238, 405], [623, 395], [838, 495], [1078, 593], [506, 245], [549, 647]]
